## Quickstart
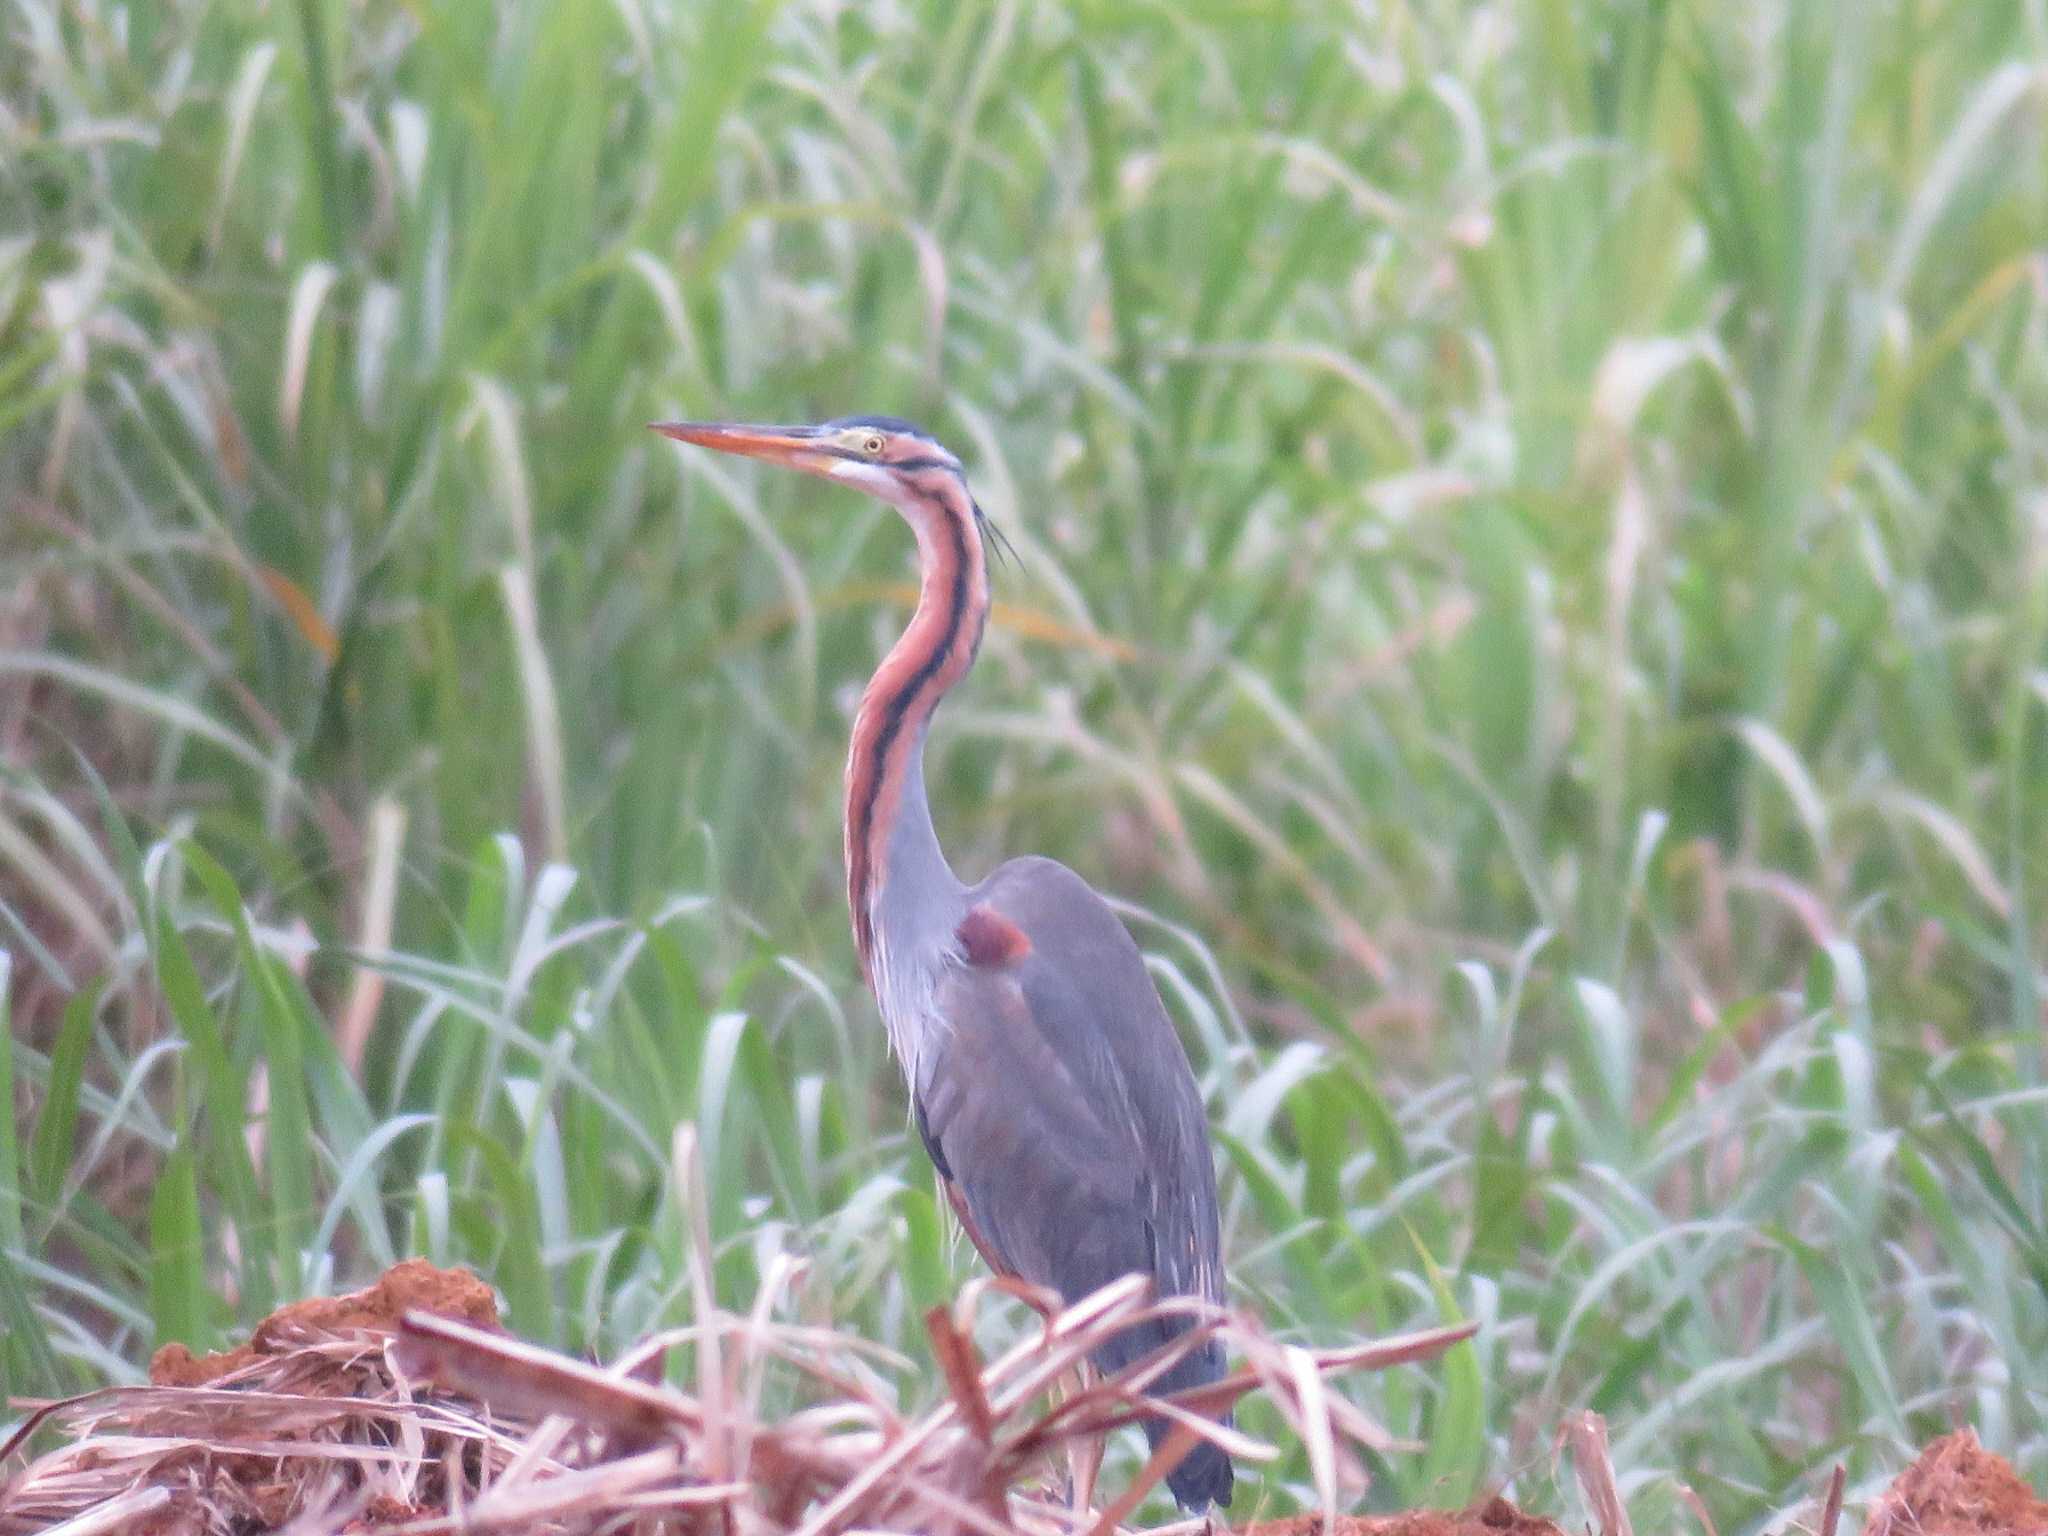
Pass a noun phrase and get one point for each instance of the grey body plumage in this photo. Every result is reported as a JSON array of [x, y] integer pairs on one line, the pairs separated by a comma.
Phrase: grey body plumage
[[1103, 1167], [1046, 1080]]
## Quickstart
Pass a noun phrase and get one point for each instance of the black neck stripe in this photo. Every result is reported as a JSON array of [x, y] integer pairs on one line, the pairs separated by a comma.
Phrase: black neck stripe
[[897, 709]]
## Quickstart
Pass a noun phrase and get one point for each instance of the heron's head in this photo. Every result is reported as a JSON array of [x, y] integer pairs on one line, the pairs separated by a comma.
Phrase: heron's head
[[884, 456]]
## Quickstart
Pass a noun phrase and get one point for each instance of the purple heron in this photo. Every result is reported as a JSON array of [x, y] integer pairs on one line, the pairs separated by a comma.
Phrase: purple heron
[[1048, 1085]]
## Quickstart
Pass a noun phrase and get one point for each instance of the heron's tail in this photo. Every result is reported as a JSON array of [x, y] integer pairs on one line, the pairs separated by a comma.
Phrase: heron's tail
[[1204, 1476]]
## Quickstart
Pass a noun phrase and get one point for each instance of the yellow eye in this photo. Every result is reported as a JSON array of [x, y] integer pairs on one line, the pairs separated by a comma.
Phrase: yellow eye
[[871, 446]]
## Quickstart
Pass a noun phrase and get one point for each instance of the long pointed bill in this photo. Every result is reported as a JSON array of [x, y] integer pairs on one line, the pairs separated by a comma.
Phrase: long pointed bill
[[796, 447]]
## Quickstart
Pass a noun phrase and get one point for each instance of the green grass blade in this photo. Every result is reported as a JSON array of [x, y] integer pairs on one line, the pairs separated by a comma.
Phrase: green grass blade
[[1454, 1461], [179, 1303], [10, 1131], [50, 1146], [287, 1140]]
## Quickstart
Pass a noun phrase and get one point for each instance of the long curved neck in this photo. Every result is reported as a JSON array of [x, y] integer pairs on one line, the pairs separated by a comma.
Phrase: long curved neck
[[896, 873]]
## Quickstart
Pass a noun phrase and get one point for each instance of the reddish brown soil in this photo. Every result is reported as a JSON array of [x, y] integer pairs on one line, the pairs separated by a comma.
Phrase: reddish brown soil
[[1957, 1488], [411, 1283], [1496, 1517]]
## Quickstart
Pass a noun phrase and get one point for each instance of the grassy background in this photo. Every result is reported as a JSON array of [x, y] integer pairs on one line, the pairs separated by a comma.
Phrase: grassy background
[[1535, 584]]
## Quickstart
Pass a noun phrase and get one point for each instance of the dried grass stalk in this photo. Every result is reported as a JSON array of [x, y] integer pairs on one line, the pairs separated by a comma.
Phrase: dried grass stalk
[[364, 1413]]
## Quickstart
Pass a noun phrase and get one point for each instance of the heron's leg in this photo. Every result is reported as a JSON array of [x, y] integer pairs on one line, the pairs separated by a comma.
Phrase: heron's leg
[[1084, 1457]]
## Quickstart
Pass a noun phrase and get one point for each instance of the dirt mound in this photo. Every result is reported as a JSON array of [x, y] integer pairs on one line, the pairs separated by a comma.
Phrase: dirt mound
[[298, 1421], [411, 1283], [1957, 1488], [405, 1406], [1496, 1517], [405, 1402]]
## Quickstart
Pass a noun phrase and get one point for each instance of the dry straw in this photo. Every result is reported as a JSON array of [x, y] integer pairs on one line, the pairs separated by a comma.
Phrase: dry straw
[[371, 1412], [438, 1425]]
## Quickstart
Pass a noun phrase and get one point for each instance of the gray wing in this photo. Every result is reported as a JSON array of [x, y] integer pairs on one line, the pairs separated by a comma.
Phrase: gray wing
[[1059, 1108], [1059, 1104]]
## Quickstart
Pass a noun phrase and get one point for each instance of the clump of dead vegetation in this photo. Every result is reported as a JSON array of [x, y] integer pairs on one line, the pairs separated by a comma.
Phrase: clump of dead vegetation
[[404, 1408], [1957, 1488]]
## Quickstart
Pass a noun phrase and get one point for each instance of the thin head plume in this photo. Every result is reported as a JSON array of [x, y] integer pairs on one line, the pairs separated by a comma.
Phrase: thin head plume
[[999, 541]]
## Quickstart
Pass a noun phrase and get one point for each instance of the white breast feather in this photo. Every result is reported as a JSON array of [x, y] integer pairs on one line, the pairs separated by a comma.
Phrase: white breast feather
[[906, 993]]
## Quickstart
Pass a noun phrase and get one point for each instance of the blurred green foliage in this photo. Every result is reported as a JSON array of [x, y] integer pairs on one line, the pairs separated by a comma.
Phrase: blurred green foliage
[[1535, 576]]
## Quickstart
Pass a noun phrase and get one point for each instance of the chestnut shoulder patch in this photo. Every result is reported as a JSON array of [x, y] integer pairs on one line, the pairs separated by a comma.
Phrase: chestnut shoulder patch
[[990, 939]]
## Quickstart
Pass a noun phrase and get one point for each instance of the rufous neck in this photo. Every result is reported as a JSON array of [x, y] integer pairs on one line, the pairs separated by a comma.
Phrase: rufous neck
[[892, 848]]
